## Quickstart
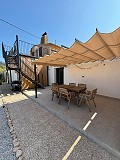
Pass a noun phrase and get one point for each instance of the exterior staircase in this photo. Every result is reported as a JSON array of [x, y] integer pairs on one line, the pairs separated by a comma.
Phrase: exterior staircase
[[22, 65], [27, 72]]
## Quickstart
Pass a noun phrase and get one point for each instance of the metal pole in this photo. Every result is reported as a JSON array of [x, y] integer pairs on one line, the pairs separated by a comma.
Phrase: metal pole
[[10, 77], [19, 60], [7, 76], [35, 81], [19, 68]]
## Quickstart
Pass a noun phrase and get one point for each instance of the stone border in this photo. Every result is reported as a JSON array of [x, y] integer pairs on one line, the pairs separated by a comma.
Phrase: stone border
[[16, 144], [92, 138]]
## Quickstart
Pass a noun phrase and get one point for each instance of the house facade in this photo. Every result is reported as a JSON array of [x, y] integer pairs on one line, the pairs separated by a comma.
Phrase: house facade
[[95, 63], [102, 75], [44, 49]]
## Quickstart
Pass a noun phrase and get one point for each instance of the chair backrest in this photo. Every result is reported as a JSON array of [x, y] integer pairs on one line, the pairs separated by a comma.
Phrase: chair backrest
[[63, 91], [82, 85], [72, 84], [54, 88], [93, 93], [54, 84]]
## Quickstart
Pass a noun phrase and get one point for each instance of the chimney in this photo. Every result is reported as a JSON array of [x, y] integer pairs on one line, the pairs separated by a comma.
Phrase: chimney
[[44, 38]]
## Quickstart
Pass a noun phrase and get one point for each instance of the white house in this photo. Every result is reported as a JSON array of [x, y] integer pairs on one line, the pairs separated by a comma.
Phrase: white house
[[102, 75]]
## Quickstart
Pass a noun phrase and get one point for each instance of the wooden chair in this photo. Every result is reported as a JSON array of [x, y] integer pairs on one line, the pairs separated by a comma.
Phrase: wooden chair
[[65, 94], [72, 84], [87, 97], [83, 91], [54, 84], [82, 85], [73, 93], [55, 90]]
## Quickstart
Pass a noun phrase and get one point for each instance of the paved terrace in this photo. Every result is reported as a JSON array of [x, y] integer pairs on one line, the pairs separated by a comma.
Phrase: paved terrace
[[104, 128], [45, 136]]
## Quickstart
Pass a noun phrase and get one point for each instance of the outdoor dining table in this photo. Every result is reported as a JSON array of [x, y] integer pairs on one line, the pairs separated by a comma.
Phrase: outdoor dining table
[[76, 89]]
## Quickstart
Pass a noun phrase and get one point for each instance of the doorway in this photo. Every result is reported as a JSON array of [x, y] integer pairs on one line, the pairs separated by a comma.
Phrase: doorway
[[60, 75]]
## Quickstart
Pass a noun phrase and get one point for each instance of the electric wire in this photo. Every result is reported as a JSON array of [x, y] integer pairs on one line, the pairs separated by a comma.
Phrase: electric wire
[[18, 28]]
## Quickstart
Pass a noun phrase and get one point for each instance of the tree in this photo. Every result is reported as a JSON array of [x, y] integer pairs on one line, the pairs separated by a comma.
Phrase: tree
[[2, 69]]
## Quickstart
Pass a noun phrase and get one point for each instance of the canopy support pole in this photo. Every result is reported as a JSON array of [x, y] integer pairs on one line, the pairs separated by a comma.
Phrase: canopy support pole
[[35, 81]]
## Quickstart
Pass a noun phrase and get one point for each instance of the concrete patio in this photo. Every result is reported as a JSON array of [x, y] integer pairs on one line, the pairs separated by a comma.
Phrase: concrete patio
[[42, 135], [102, 125]]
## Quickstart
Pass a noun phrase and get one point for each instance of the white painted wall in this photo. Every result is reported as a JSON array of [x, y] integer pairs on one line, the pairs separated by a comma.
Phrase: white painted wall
[[51, 75], [96, 75], [14, 75]]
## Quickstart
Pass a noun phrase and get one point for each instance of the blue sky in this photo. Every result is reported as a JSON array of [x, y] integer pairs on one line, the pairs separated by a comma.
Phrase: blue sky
[[63, 20]]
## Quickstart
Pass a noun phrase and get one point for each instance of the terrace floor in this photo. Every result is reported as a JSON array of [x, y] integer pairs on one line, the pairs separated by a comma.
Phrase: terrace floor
[[102, 125]]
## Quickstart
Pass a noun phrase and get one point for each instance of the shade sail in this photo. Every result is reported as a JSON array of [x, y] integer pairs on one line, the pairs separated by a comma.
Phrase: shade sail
[[101, 46]]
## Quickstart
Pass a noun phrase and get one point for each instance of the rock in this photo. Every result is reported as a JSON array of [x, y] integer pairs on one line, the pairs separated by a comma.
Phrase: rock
[[7, 113], [11, 129], [10, 125], [9, 120], [15, 140], [16, 144], [13, 132], [18, 153], [15, 149], [13, 136], [20, 158]]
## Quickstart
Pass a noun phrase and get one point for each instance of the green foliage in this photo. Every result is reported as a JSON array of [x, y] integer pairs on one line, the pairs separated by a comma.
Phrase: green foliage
[[2, 67]]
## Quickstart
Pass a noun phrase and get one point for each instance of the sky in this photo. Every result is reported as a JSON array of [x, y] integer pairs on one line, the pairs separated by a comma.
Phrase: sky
[[63, 20]]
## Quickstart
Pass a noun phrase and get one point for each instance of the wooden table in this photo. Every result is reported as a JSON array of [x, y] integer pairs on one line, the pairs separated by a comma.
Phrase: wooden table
[[76, 89]]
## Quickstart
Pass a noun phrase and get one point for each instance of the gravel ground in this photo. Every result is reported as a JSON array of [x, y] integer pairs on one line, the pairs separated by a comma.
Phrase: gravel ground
[[5, 139], [43, 136]]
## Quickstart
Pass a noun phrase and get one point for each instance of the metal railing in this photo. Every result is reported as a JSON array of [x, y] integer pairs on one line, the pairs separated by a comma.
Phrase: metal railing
[[18, 58], [25, 47]]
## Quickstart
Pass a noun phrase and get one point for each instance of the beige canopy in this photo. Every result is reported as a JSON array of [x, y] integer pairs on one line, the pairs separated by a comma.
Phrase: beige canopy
[[101, 46]]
